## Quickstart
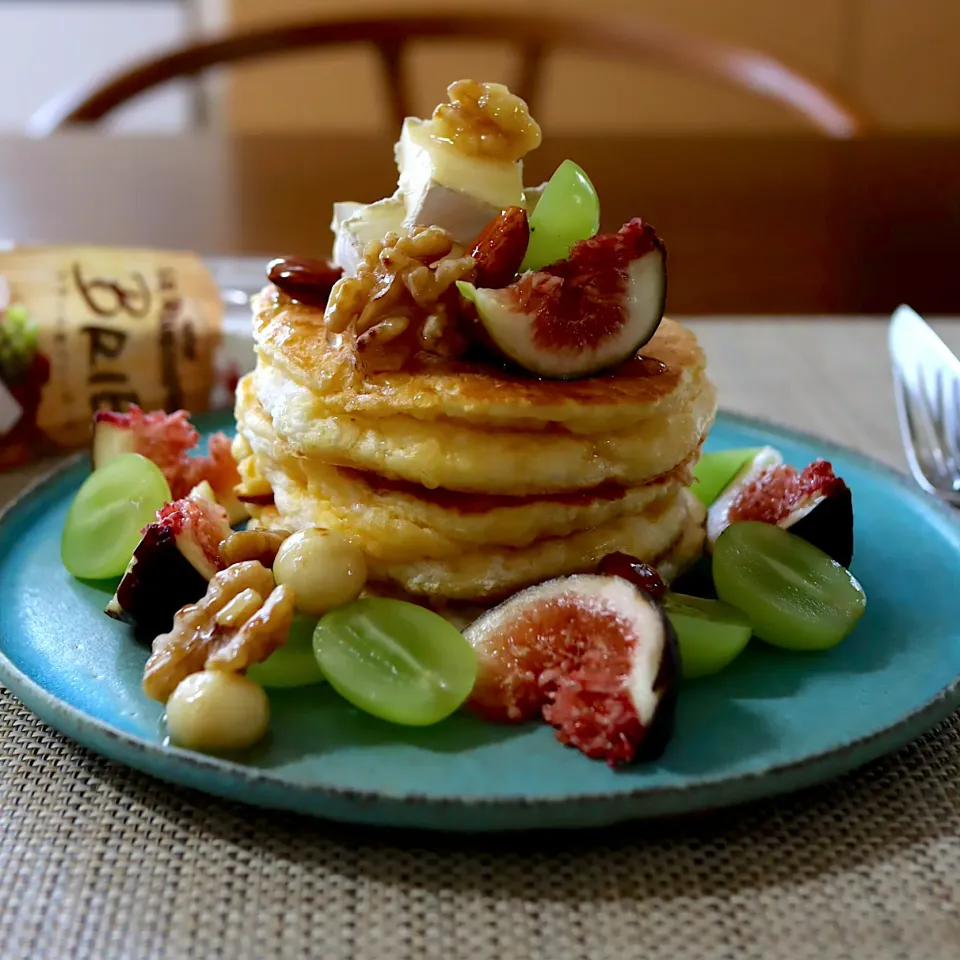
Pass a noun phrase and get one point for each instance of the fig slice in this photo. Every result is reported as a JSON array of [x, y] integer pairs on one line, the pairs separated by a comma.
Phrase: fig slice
[[164, 438], [177, 555], [593, 655], [718, 514], [813, 503], [168, 439], [581, 315]]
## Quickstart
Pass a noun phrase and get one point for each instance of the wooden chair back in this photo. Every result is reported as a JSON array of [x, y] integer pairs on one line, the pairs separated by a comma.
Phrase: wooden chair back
[[535, 35]]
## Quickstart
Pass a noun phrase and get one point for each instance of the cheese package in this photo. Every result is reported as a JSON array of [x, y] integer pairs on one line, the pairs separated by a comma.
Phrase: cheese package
[[90, 328]]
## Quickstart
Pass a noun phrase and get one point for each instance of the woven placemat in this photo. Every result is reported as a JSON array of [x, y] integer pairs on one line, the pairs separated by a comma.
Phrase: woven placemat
[[98, 861]]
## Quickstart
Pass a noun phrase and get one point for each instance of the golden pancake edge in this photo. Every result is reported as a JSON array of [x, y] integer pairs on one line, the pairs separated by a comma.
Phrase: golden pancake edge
[[465, 483]]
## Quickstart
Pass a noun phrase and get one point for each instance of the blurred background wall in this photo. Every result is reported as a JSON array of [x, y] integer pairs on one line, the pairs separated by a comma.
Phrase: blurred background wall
[[897, 58]]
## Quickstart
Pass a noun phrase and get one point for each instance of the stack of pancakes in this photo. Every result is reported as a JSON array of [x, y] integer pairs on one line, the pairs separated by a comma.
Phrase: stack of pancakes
[[462, 482]]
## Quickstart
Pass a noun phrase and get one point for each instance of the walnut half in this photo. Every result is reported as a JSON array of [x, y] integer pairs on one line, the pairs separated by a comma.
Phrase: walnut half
[[242, 619], [259, 545], [486, 120]]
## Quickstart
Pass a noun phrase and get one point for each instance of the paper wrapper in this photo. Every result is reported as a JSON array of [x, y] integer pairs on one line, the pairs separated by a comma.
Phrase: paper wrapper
[[90, 328]]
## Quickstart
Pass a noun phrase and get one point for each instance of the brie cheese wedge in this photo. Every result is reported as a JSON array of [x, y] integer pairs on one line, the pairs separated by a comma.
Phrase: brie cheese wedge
[[354, 225], [442, 186]]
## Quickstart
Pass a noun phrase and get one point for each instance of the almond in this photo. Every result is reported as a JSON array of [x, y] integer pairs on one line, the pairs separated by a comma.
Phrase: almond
[[306, 279], [500, 248]]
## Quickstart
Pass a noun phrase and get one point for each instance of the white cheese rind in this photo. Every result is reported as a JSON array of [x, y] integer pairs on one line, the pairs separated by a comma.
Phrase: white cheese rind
[[355, 225], [442, 186], [462, 216]]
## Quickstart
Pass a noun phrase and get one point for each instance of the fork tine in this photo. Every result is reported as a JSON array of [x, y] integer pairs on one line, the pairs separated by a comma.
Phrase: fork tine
[[927, 394], [950, 426], [924, 420], [908, 430], [952, 417], [943, 422]]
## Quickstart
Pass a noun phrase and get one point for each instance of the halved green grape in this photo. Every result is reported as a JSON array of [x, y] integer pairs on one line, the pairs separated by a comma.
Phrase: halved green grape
[[398, 661], [714, 472], [103, 524], [293, 664], [18, 319], [568, 211], [794, 595], [18, 341], [711, 633]]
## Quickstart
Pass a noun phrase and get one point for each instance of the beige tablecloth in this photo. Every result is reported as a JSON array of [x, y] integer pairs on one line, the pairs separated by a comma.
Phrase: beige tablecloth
[[99, 862]]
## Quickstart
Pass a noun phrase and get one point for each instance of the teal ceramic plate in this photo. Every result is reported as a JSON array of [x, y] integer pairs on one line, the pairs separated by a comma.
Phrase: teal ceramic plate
[[774, 721]]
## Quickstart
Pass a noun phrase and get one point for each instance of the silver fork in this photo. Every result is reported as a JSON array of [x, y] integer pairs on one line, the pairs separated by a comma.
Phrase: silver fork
[[926, 377]]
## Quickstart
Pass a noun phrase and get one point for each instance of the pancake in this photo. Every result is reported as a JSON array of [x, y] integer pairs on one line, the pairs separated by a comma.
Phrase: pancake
[[688, 546], [393, 527], [462, 482], [253, 488], [400, 521], [461, 613], [497, 572], [291, 337], [460, 456], [670, 526], [390, 419]]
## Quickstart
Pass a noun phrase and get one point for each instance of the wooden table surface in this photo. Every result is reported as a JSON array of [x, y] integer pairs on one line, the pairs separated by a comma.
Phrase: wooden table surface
[[772, 226]]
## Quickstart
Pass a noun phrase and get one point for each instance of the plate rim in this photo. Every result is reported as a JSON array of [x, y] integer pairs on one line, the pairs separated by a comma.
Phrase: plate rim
[[99, 735]]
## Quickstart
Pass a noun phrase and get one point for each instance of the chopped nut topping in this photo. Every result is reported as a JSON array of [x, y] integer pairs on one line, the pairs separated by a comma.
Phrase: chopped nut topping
[[486, 120], [259, 545], [240, 609], [230, 629], [403, 299]]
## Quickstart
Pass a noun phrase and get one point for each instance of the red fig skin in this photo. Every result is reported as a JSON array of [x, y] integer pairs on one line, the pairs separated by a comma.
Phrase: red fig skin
[[578, 303], [158, 583], [579, 300], [829, 526], [782, 492]]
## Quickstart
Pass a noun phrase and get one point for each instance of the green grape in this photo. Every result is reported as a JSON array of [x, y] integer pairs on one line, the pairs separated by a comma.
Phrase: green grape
[[18, 316], [103, 524], [398, 661], [711, 634], [568, 211], [294, 664], [18, 341], [794, 594], [715, 471]]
